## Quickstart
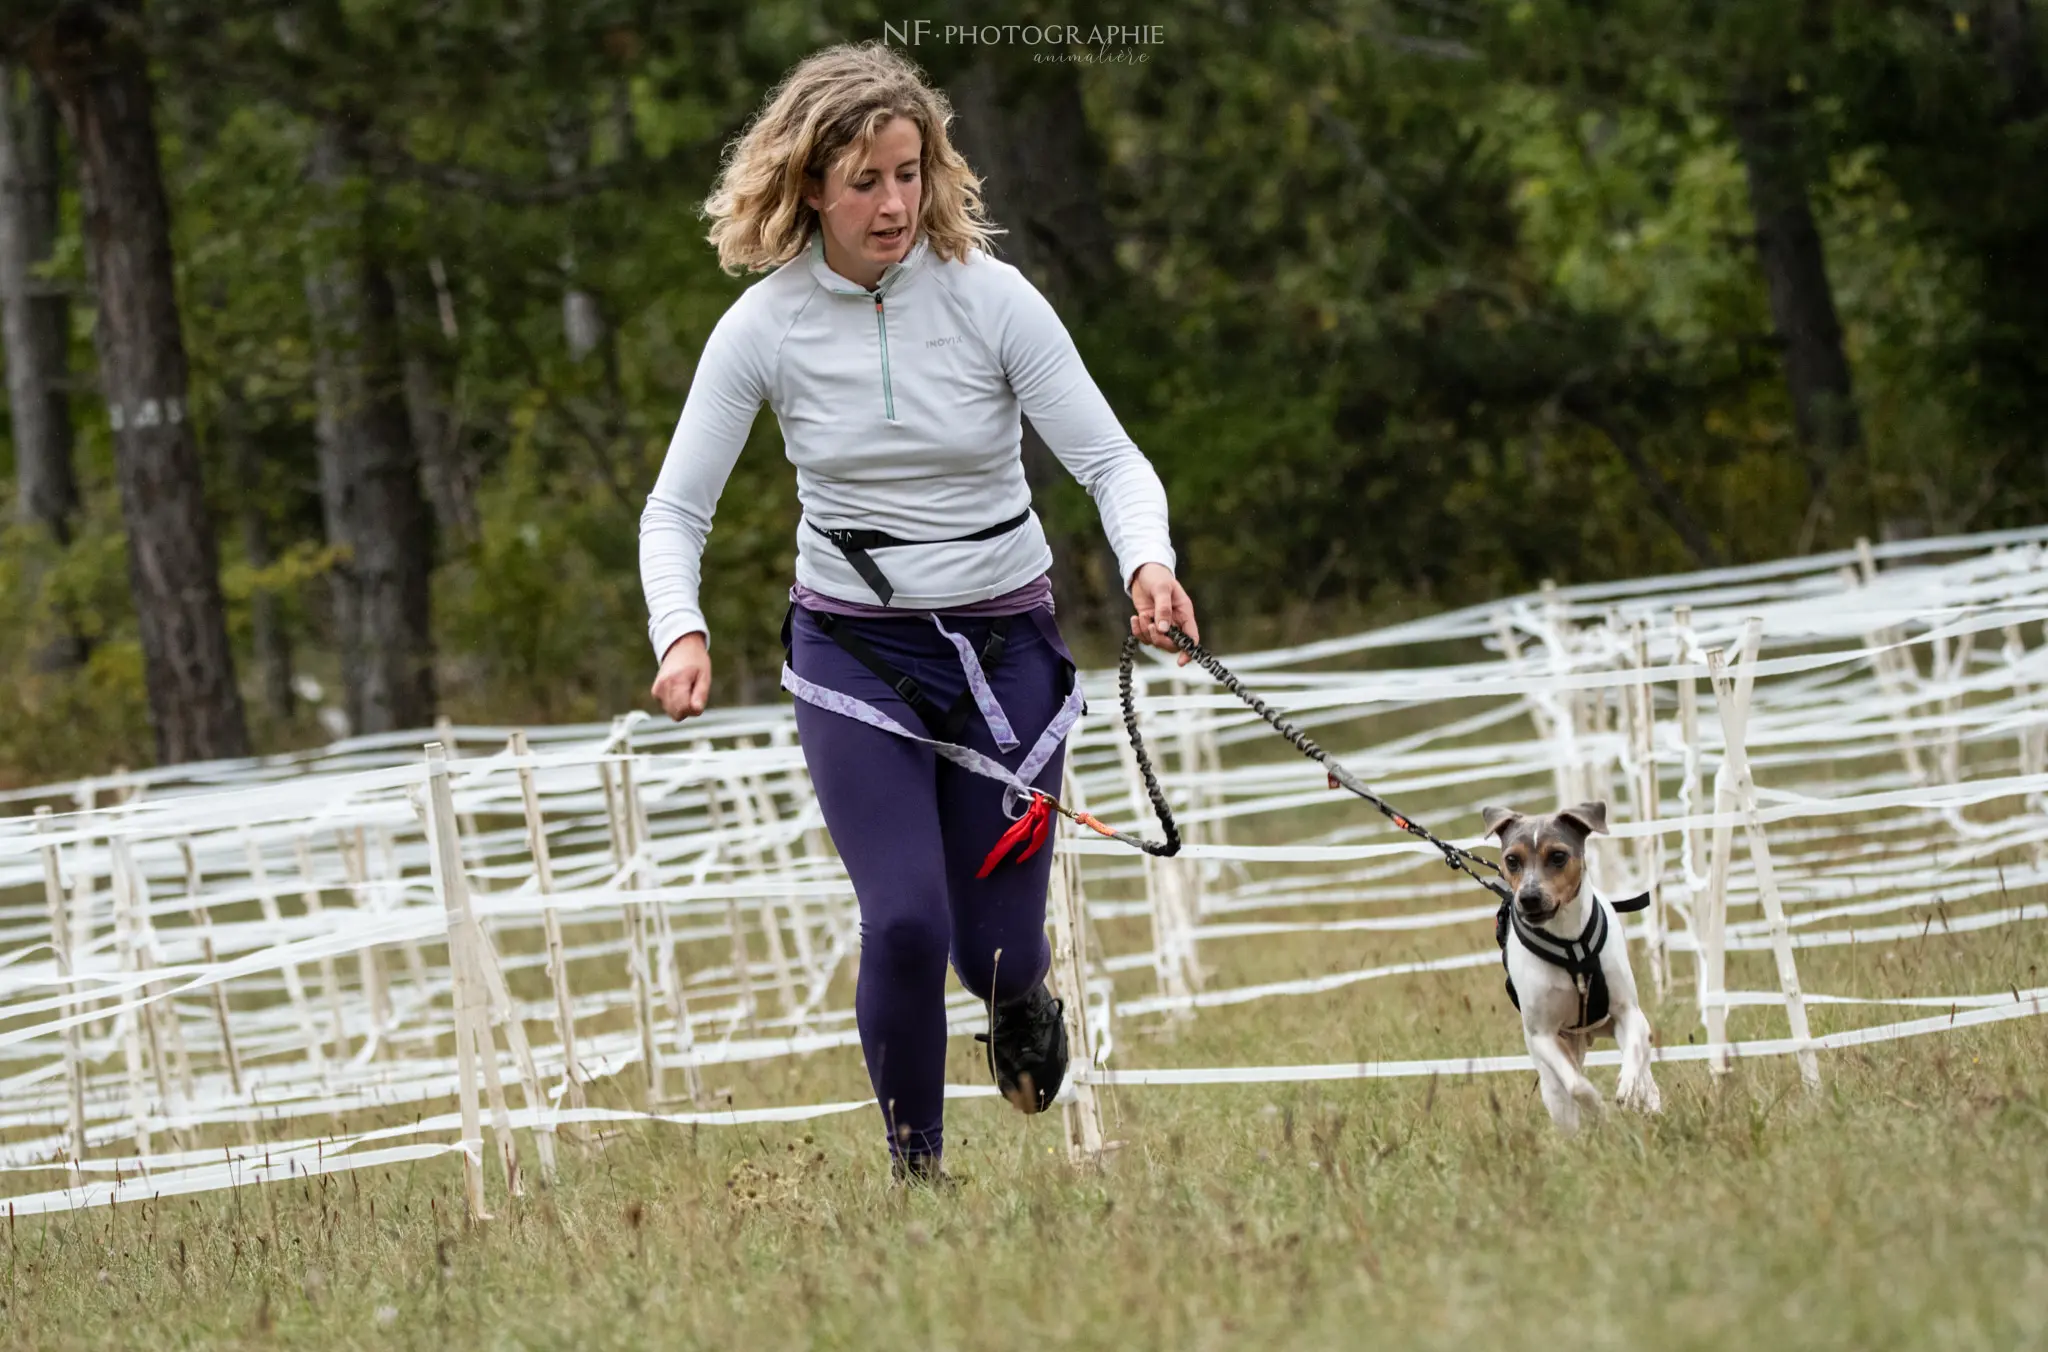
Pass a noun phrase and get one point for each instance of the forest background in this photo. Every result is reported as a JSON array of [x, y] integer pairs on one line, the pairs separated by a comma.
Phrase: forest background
[[344, 338]]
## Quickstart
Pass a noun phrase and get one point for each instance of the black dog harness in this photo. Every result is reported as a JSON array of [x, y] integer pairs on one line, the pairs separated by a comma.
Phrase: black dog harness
[[856, 544], [1580, 957]]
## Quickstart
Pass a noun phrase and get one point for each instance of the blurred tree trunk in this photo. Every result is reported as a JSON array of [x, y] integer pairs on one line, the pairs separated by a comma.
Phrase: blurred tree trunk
[[369, 468], [2010, 247], [268, 634], [2015, 57], [583, 326], [1663, 497], [448, 475], [88, 58], [586, 327], [1796, 277], [1025, 132], [266, 619], [35, 331]]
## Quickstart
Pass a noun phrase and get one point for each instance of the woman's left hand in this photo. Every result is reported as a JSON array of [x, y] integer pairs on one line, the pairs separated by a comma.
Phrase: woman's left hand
[[1161, 600]]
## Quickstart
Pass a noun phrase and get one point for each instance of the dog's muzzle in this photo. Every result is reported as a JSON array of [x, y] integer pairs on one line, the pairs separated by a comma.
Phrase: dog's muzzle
[[1534, 906]]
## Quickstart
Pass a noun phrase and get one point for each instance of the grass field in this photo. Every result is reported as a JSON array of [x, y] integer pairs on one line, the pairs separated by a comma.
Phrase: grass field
[[1906, 1205]]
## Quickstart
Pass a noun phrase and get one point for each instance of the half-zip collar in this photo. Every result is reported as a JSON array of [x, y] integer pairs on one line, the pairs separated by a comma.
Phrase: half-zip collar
[[892, 276], [878, 294]]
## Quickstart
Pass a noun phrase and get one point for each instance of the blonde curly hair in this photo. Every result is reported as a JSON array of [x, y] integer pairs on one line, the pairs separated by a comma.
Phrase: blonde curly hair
[[824, 115]]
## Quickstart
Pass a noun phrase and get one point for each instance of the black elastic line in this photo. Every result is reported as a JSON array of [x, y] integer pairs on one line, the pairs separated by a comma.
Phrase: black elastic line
[[1455, 857]]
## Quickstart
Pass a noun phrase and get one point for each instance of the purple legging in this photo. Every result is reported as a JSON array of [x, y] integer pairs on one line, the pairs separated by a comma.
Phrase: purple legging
[[913, 828]]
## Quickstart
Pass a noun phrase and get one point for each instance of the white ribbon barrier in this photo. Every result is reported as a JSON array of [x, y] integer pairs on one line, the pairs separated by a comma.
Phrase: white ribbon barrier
[[2025, 1005], [160, 1176], [198, 949]]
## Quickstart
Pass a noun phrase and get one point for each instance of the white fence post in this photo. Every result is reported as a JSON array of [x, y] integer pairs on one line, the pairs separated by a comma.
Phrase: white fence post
[[551, 923], [1081, 1116], [1642, 726], [445, 854], [1733, 705], [60, 948]]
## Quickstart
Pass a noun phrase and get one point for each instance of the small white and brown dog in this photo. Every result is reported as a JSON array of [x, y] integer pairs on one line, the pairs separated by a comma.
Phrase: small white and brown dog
[[1567, 962]]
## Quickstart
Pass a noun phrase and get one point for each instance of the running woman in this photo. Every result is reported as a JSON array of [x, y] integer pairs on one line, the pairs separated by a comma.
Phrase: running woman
[[933, 689]]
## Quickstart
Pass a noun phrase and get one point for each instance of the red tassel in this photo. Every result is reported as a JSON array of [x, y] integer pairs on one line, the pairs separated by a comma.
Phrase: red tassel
[[1029, 830], [1040, 832]]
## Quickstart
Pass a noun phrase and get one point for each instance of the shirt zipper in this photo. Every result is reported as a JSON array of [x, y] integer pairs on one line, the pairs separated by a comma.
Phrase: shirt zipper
[[888, 392]]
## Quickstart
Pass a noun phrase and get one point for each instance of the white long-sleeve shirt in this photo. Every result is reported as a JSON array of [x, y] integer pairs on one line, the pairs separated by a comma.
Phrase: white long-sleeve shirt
[[899, 408]]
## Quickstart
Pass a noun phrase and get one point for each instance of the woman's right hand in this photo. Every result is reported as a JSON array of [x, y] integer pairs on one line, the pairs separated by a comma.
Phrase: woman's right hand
[[683, 685]]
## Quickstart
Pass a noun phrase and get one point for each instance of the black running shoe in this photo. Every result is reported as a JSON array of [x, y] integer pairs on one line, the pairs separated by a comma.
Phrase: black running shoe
[[922, 1171], [1027, 1049]]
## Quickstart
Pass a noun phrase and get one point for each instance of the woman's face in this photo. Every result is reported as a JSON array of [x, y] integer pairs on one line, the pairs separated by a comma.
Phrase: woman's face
[[869, 210]]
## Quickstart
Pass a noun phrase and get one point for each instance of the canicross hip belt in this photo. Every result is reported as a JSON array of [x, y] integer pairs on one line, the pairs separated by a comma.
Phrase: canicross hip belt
[[856, 544], [943, 723], [1031, 820]]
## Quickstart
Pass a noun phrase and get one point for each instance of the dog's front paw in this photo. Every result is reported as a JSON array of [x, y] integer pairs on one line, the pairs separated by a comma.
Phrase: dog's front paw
[[1638, 1093], [1587, 1096]]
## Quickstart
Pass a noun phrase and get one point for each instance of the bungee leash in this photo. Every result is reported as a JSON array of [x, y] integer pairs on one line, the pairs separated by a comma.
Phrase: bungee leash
[[1032, 829]]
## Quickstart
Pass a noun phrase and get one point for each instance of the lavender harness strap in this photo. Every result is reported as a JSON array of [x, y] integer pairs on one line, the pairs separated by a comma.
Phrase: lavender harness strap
[[1018, 782], [984, 698]]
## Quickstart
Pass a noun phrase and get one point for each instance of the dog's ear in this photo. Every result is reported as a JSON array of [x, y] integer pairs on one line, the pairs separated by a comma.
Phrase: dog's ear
[[1498, 819], [1589, 817]]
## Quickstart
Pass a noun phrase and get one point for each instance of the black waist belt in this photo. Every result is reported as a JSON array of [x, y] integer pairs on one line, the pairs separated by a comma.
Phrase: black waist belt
[[855, 544]]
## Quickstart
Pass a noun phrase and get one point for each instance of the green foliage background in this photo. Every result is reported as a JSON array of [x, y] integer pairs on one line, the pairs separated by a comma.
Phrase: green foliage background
[[1371, 256]]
